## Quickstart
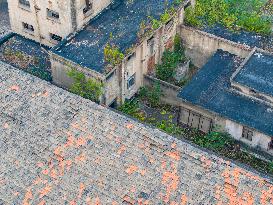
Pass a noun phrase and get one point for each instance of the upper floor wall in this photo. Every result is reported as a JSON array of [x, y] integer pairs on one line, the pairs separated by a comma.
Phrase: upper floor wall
[[50, 21]]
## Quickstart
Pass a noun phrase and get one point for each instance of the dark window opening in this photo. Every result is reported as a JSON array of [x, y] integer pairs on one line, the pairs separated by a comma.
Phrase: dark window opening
[[151, 44], [55, 37], [88, 6], [111, 75], [131, 56], [28, 27], [247, 134], [114, 104], [131, 81], [52, 14], [270, 145], [24, 3]]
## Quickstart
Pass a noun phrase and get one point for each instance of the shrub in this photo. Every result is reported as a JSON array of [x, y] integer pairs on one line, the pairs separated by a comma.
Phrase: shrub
[[152, 96], [87, 88], [113, 55]]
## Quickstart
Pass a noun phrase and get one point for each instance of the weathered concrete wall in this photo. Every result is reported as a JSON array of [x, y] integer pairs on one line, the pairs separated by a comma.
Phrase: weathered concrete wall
[[169, 91], [61, 66], [259, 140], [82, 153], [201, 45]]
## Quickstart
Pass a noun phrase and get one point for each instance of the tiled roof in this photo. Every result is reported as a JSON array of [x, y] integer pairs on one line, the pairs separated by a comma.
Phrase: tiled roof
[[210, 89], [257, 73], [58, 148], [123, 22]]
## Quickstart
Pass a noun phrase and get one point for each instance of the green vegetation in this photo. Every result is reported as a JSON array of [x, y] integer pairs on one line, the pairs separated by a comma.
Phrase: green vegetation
[[163, 118], [233, 14], [87, 88], [151, 95], [27, 63], [170, 60], [113, 55]]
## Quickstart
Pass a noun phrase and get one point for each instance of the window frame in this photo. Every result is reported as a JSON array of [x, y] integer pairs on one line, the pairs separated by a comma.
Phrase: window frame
[[53, 13], [131, 81], [24, 3], [28, 27], [247, 133], [51, 35]]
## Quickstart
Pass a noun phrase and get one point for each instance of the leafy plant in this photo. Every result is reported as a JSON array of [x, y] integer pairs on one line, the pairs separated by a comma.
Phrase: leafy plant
[[131, 107], [151, 95], [113, 55], [87, 88], [233, 14]]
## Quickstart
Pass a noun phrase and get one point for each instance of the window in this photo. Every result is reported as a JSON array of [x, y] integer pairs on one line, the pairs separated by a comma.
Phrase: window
[[88, 6], [52, 14], [270, 145], [169, 24], [131, 81], [24, 3], [28, 27], [151, 44], [111, 75], [133, 55], [55, 37], [247, 133]]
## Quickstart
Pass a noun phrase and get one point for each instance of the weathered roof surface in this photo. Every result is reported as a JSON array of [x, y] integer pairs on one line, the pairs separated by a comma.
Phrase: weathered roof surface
[[4, 18], [123, 22], [26, 54], [242, 37], [58, 148], [257, 73], [210, 89]]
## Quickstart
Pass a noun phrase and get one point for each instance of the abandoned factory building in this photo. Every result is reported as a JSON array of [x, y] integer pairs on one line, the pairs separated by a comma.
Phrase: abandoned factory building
[[233, 94], [58, 148]]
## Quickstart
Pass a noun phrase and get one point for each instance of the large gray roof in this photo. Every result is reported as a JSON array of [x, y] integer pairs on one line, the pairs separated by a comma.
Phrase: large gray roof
[[210, 89], [58, 148], [257, 73]]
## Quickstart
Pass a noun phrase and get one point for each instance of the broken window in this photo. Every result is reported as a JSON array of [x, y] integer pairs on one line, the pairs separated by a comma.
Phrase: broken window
[[131, 81], [52, 14], [88, 6], [28, 27], [24, 3], [247, 133], [55, 37]]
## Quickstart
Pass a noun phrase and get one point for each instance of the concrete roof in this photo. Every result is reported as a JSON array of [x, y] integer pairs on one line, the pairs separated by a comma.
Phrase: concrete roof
[[257, 73], [210, 89], [123, 21], [58, 148], [38, 55]]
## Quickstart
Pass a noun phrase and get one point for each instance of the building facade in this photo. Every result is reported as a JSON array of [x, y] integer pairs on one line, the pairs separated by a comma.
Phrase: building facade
[[49, 22]]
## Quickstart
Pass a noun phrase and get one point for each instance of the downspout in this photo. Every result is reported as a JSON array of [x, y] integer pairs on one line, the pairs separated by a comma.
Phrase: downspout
[[37, 9]]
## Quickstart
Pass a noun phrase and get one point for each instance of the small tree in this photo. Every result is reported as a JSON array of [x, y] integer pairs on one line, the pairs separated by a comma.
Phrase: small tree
[[87, 88]]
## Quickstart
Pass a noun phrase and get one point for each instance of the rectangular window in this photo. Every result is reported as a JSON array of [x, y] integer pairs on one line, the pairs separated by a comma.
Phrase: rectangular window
[[88, 6], [52, 14], [169, 24], [151, 43], [55, 37], [24, 3], [247, 134], [270, 145], [28, 27], [131, 81]]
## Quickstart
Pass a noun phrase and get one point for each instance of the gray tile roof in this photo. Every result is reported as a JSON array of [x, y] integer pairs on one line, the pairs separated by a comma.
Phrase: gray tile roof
[[210, 89], [257, 73], [58, 148]]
